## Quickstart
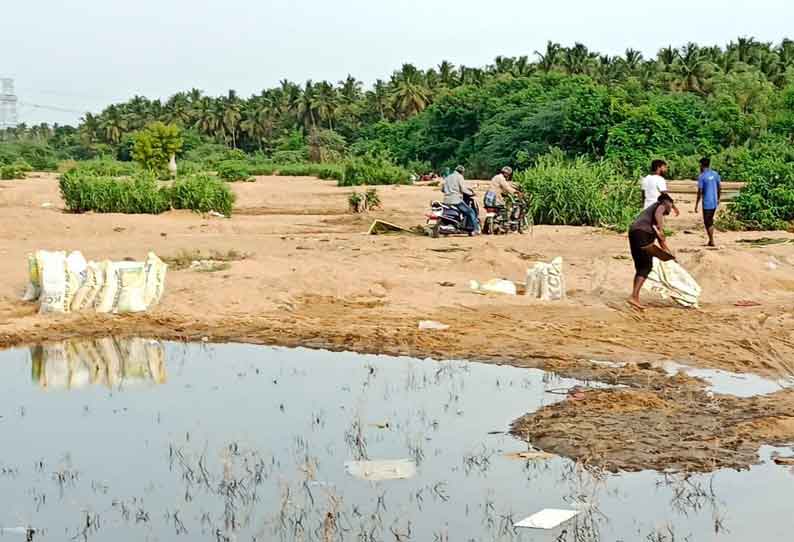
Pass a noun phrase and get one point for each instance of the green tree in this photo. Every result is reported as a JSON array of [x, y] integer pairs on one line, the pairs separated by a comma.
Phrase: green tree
[[155, 145]]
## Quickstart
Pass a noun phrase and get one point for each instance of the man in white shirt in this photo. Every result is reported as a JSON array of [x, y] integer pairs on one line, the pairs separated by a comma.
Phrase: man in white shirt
[[655, 185]]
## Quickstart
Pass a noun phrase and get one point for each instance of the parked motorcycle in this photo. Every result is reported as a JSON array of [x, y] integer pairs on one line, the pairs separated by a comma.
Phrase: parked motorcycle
[[512, 217], [446, 219]]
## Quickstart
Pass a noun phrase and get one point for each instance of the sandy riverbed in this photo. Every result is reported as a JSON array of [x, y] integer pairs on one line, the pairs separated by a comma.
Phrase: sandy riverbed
[[316, 279]]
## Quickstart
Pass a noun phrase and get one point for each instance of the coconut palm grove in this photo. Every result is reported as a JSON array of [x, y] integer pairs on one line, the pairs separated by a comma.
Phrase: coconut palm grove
[[569, 109]]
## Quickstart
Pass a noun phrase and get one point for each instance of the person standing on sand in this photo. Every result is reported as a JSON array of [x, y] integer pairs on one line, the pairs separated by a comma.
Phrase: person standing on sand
[[654, 185], [646, 229], [710, 191]]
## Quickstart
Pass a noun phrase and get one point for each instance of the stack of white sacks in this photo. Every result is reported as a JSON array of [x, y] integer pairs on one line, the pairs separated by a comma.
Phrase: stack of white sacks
[[68, 283]]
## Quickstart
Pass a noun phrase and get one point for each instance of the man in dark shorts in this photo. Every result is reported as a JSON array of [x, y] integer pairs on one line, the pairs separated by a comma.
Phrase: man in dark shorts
[[643, 233], [710, 191]]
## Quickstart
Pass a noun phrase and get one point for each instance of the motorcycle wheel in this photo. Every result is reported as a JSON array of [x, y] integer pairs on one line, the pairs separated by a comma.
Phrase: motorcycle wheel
[[487, 227], [434, 230]]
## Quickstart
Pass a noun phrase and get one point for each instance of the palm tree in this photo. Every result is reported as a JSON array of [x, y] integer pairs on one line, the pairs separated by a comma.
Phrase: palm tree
[[178, 109], [633, 59], [523, 66], [409, 92], [746, 50], [231, 116], [504, 64], [326, 103], [547, 61], [577, 59], [305, 107], [113, 124], [446, 73], [378, 97], [206, 117], [666, 57], [350, 89], [691, 68], [89, 128]]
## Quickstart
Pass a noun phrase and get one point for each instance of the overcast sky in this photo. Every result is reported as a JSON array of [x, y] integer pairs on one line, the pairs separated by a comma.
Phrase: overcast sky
[[84, 54]]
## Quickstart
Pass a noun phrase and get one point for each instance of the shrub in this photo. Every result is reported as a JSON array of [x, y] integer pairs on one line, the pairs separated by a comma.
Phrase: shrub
[[142, 194], [16, 170], [372, 169], [372, 199], [322, 171], [234, 170], [579, 193], [202, 193], [154, 145], [105, 167], [90, 192], [290, 157], [188, 167]]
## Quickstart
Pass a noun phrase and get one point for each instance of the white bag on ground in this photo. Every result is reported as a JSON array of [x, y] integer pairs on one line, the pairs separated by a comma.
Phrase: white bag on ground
[[155, 280], [61, 277], [546, 281], [33, 290], [88, 291], [671, 281], [132, 280]]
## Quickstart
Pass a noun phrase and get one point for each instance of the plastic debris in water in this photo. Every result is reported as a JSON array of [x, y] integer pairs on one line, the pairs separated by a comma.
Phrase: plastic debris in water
[[548, 518]]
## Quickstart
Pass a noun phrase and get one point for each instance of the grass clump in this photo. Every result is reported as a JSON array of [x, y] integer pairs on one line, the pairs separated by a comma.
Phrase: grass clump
[[201, 193], [234, 171], [17, 170], [579, 193], [142, 194], [102, 166], [362, 202], [306, 169], [372, 169]]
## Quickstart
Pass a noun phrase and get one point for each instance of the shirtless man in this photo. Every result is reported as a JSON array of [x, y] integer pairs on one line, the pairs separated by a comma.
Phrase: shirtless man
[[643, 233]]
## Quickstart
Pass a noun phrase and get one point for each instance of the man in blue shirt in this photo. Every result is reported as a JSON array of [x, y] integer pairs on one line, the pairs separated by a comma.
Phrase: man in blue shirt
[[710, 191]]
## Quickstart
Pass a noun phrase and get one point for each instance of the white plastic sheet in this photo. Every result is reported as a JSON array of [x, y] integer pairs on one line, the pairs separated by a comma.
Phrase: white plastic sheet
[[376, 471], [548, 518]]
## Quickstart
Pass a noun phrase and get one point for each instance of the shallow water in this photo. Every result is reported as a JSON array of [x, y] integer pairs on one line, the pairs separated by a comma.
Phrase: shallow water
[[139, 440]]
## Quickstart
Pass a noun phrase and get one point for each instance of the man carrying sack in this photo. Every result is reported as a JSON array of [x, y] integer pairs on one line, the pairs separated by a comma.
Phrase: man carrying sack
[[643, 234]]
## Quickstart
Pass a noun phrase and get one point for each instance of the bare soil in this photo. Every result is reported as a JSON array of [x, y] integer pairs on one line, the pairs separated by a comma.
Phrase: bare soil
[[315, 278]]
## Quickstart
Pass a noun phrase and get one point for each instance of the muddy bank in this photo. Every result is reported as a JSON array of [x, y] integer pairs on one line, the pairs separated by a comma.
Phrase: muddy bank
[[672, 428]]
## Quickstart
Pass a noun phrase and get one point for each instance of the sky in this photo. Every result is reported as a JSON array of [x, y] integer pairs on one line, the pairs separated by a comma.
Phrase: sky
[[81, 55]]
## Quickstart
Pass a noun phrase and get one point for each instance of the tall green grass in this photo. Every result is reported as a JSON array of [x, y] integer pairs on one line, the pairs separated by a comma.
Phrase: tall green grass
[[579, 193], [201, 193], [142, 194], [372, 169]]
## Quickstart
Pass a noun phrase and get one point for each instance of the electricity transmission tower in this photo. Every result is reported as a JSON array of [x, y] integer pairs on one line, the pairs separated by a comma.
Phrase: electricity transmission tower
[[8, 104]]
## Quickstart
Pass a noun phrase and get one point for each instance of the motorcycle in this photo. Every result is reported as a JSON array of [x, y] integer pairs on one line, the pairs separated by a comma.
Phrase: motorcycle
[[446, 219], [513, 217]]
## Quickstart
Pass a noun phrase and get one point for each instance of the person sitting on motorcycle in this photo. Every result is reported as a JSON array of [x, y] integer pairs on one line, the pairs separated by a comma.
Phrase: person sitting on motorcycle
[[500, 185], [454, 187]]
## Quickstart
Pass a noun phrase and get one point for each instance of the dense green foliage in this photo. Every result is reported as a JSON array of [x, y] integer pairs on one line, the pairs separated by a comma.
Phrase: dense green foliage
[[234, 170], [17, 170], [154, 146], [143, 194], [732, 103], [372, 169], [579, 193], [201, 193]]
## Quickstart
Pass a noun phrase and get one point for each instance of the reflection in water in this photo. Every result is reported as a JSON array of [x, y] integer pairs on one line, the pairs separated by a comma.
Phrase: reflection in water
[[78, 363], [249, 443]]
